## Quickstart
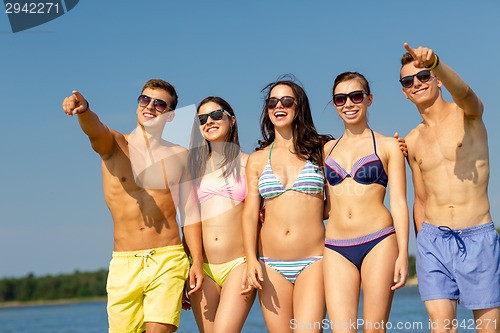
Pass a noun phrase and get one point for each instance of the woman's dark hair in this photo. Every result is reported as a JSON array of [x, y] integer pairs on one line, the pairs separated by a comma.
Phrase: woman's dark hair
[[200, 149], [307, 143]]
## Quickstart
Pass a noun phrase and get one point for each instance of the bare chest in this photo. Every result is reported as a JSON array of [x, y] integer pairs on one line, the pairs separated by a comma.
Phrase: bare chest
[[435, 147], [453, 144]]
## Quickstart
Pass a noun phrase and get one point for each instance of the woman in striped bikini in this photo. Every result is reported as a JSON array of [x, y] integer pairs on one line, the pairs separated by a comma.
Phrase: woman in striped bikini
[[364, 240], [284, 253], [218, 168]]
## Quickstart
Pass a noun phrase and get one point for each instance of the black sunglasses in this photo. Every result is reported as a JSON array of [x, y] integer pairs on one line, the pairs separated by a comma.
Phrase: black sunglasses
[[422, 76], [160, 105], [356, 97], [215, 115], [286, 101]]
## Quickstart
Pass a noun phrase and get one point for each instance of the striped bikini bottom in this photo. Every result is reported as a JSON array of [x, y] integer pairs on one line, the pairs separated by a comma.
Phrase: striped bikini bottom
[[290, 269]]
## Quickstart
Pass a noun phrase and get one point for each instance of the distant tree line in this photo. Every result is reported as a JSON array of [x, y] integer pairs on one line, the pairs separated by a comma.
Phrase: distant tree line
[[69, 286], [76, 285], [65, 286]]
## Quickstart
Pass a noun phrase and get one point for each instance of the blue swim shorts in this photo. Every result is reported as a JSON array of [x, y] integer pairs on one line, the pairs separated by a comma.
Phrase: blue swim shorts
[[461, 264]]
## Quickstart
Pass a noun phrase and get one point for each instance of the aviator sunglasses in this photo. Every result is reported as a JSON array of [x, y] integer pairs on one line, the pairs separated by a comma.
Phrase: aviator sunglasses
[[422, 76], [160, 105], [215, 115], [286, 101], [356, 97]]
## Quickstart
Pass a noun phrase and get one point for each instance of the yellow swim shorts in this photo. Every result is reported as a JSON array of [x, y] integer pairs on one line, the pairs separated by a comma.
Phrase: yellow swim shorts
[[146, 286]]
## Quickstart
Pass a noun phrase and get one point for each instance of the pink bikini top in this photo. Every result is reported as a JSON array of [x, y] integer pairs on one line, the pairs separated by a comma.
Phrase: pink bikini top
[[231, 188]]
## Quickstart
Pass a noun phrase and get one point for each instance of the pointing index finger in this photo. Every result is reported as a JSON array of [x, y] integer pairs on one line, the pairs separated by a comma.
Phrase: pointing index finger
[[79, 97], [410, 50]]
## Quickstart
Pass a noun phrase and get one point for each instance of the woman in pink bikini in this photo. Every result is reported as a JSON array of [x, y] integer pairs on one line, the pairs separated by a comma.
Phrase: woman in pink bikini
[[218, 168]]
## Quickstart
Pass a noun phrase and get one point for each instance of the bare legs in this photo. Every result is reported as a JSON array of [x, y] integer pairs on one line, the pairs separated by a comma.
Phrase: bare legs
[[343, 289], [160, 328], [298, 307], [443, 312], [222, 309]]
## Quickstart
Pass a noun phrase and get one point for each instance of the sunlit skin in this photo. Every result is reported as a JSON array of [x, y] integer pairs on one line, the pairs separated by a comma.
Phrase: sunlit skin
[[219, 309], [143, 219], [444, 149], [448, 156], [293, 229], [356, 210]]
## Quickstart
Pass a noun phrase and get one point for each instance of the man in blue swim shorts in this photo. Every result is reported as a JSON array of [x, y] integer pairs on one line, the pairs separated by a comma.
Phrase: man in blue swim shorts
[[149, 265], [458, 248]]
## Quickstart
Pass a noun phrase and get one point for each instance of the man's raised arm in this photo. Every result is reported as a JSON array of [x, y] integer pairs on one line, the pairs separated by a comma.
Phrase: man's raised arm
[[100, 136]]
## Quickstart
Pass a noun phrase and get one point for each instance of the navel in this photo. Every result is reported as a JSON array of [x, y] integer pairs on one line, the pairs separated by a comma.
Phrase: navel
[[459, 144], [452, 211]]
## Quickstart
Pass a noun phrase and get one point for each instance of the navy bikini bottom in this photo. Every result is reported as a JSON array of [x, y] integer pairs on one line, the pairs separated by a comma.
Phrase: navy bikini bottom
[[356, 249]]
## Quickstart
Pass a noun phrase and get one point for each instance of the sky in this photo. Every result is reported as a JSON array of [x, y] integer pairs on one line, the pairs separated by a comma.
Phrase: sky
[[53, 216]]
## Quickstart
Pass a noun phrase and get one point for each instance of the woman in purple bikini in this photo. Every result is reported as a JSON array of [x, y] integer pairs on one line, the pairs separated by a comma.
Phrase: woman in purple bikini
[[365, 242]]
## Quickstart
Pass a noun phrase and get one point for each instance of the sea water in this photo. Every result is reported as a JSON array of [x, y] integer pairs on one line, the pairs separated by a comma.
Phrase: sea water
[[407, 315]]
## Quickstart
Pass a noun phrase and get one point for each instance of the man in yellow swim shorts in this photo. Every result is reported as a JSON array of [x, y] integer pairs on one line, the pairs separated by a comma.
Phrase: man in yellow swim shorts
[[149, 266]]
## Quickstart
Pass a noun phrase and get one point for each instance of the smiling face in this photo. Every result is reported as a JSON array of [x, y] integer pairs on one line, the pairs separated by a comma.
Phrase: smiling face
[[149, 112], [420, 92], [280, 115], [215, 130], [351, 112]]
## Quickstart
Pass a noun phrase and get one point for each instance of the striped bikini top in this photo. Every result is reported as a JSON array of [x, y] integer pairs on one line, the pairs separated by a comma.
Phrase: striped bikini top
[[309, 181], [366, 170]]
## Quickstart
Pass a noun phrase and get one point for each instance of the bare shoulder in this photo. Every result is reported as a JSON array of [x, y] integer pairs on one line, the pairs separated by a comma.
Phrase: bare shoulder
[[178, 152], [412, 136], [119, 137], [329, 145], [118, 134], [258, 155], [176, 149], [258, 158], [120, 141], [244, 158], [384, 142]]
